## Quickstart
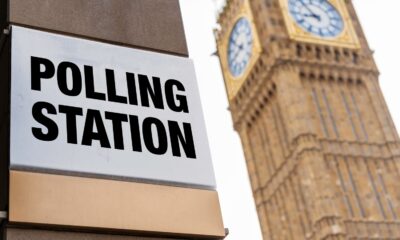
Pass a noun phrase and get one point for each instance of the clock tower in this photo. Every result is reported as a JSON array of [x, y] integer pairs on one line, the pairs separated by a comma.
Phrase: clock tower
[[322, 152]]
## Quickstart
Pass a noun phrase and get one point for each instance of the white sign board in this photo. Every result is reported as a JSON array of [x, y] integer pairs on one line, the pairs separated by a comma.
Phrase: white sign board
[[94, 108]]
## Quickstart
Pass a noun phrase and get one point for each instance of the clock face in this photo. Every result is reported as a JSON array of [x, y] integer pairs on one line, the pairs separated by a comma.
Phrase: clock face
[[317, 17], [240, 47]]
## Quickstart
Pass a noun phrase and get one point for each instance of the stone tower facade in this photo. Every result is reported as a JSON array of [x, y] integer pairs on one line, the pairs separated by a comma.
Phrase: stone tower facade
[[321, 148]]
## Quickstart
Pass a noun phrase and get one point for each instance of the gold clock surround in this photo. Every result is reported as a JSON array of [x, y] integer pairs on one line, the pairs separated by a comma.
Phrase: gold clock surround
[[348, 37], [233, 83]]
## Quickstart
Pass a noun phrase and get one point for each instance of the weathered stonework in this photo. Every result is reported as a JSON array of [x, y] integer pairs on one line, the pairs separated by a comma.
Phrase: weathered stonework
[[321, 148]]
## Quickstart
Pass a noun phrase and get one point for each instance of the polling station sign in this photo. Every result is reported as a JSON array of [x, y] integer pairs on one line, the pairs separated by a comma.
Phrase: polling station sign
[[94, 108]]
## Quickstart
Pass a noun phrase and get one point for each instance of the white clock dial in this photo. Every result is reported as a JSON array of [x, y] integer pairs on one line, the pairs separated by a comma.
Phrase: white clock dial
[[240, 47], [318, 17]]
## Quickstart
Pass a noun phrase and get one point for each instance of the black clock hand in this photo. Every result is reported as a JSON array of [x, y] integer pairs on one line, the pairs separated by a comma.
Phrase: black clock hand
[[235, 43], [238, 52], [305, 5], [312, 14]]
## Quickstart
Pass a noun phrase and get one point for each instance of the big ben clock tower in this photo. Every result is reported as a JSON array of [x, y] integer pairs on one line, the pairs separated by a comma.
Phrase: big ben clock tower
[[321, 149]]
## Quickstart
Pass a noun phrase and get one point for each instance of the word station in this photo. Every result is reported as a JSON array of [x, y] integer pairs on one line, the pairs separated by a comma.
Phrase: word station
[[143, 91]]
